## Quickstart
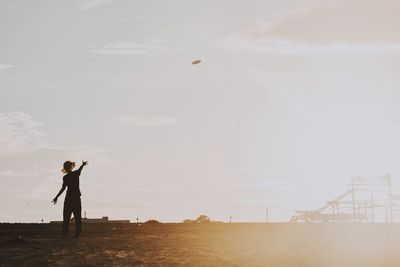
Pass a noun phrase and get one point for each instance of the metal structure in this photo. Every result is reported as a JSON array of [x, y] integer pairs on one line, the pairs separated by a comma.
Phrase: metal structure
[[366, 200]]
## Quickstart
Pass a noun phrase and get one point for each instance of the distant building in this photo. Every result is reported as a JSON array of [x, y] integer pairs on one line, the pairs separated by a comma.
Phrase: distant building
[[103, 219]]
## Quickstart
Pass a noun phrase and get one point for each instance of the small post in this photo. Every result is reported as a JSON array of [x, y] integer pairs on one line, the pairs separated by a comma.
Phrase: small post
[[366, 211], [390, 200], [386, 215], [352, 196], [372, 207], [267, 214]]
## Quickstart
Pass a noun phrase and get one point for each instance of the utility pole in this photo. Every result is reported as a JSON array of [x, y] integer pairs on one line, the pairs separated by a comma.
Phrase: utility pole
[[390, 200], [372, 207], [386, 214], [352, 197]]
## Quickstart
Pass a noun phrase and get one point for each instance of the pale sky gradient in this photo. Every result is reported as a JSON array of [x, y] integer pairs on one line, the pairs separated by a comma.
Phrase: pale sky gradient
[[291, 99]]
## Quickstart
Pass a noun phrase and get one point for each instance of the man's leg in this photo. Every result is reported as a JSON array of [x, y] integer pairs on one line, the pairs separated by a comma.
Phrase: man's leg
[[66, 217], [78, 217]]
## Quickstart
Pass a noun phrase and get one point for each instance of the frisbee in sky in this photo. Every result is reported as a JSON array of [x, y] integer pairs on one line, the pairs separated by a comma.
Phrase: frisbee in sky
[[195, 62]]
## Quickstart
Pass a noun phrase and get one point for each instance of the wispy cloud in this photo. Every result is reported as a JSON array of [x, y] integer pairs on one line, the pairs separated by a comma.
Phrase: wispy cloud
[[19, 133], [143, 46], [94, 3], [14, 173], [25, 154], [265, 36], [146, 120], [263, 25], [264, 185], [131, 19], [85, 152], [280, 46], [7, 3], [5, 66]]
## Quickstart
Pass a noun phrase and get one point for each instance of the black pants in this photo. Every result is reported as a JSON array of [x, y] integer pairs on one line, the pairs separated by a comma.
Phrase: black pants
[[72, 205]]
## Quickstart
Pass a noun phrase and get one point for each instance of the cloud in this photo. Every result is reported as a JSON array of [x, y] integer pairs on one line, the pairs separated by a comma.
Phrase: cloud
[[144, 46], [30, 165], [288, 32], [7, 3], [19, 133], [145, 120], [131, 19], [238, 41], [14, 173], [94, 3], [265, 24], [263, 185], [5, 66], [85, 152]]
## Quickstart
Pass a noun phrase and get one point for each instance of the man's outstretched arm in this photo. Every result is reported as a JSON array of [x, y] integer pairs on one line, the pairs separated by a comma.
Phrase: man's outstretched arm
[[59, 193]]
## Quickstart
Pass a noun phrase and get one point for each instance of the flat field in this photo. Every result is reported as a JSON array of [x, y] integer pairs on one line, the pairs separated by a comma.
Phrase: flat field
[[291, 245]]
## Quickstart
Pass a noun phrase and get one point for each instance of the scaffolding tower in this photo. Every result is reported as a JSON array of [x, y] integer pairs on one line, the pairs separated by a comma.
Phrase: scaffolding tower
[[366, 200]]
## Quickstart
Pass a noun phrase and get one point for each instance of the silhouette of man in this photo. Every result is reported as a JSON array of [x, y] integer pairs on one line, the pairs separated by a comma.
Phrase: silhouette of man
[[72, 201]]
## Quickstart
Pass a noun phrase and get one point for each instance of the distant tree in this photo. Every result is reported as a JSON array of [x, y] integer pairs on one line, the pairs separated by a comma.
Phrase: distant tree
[[189, 221], [203, 219]]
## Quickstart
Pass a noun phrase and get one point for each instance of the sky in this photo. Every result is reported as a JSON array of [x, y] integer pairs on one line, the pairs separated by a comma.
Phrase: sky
[[292, 99]]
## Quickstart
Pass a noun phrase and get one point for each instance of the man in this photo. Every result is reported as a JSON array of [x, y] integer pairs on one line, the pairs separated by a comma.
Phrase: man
[[72, 202]]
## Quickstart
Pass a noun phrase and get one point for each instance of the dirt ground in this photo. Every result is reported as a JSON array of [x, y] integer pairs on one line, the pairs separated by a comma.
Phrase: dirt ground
[[316, 245]]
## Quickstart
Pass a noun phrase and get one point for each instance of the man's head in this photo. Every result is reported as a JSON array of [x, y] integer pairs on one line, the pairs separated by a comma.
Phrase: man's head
[[68, 166]]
